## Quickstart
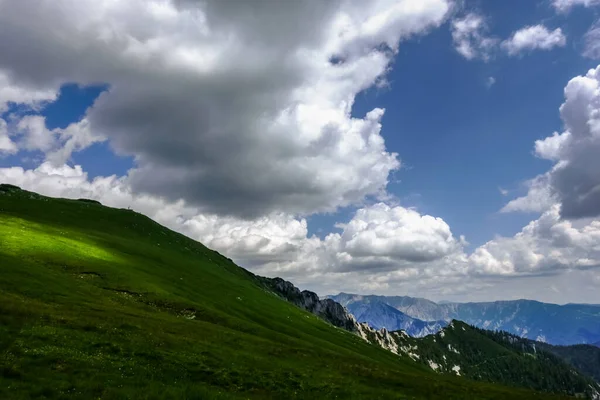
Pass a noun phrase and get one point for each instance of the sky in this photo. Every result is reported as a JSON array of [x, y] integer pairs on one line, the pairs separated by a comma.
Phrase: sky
[[446, 149]]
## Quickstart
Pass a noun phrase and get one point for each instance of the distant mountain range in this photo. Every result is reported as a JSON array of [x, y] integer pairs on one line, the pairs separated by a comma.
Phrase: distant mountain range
[[551, 323], [380, 315]]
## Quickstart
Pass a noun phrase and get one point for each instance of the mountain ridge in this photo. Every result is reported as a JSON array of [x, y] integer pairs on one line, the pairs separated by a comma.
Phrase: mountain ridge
[[556, 324], [380, 315]]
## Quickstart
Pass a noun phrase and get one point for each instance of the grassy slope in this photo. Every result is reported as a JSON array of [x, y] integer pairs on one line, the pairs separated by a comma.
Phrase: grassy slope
[[97, 303]]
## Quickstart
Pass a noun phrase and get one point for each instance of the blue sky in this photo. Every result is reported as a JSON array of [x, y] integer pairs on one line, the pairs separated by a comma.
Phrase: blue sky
[[460, 140], [248, 144]]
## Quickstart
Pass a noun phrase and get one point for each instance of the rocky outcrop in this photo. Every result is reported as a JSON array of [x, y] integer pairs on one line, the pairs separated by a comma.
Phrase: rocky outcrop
[[337, 315], [327, 309]]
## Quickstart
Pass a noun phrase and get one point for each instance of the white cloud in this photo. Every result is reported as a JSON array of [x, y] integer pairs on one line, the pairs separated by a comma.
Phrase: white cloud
[[592, 42], [490, 82], [574, 180], [544, 245], [576, 176], [472, 41], [249, 114], [550, 147], [536, 37], [538, 199], [25, 94], [6, 145], [566, 5], [380, 236], [35, 135], [30, 133], [469, 35]]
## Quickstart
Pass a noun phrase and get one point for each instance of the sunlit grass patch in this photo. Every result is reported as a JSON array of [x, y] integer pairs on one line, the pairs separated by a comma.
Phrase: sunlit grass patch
[[23, 238]]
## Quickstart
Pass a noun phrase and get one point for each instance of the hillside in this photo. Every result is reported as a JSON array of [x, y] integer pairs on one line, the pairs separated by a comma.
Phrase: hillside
[[104, 303], [556, 324], [585, 358], [460, 349]]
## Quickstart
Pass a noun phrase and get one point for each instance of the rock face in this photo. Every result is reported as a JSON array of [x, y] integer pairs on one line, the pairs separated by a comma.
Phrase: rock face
[[327, 309]]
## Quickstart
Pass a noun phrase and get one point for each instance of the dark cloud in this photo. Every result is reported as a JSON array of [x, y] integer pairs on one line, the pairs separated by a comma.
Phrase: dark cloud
[[230, 105]]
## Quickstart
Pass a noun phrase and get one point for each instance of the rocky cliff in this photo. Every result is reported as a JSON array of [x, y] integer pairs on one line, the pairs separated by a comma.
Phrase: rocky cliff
[[327, 309]]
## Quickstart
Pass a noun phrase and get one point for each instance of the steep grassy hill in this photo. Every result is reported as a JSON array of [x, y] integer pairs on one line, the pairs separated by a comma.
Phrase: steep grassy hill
[[104, 303]]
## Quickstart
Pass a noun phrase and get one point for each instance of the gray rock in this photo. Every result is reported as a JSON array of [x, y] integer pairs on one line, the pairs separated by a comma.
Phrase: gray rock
[[327, 309]]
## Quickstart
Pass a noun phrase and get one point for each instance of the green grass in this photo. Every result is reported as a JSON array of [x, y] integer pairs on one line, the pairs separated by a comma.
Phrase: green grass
[[102, 303]]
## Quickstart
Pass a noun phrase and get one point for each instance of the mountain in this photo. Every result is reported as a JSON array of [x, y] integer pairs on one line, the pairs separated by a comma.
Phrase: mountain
[[551, 323], [499, 357], [97, 302], [380, 315], [422, 309]]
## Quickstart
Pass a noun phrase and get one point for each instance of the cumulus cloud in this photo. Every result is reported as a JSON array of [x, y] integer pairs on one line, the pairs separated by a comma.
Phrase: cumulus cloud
[[592, 42], [469, 34], [544, 245], [6, 145], [538, 199], [574, 180], [576, 177], [236, 107], [550, 147], [536, 37], [30, 133], [384, 236], [25, 94], [566, 5]]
